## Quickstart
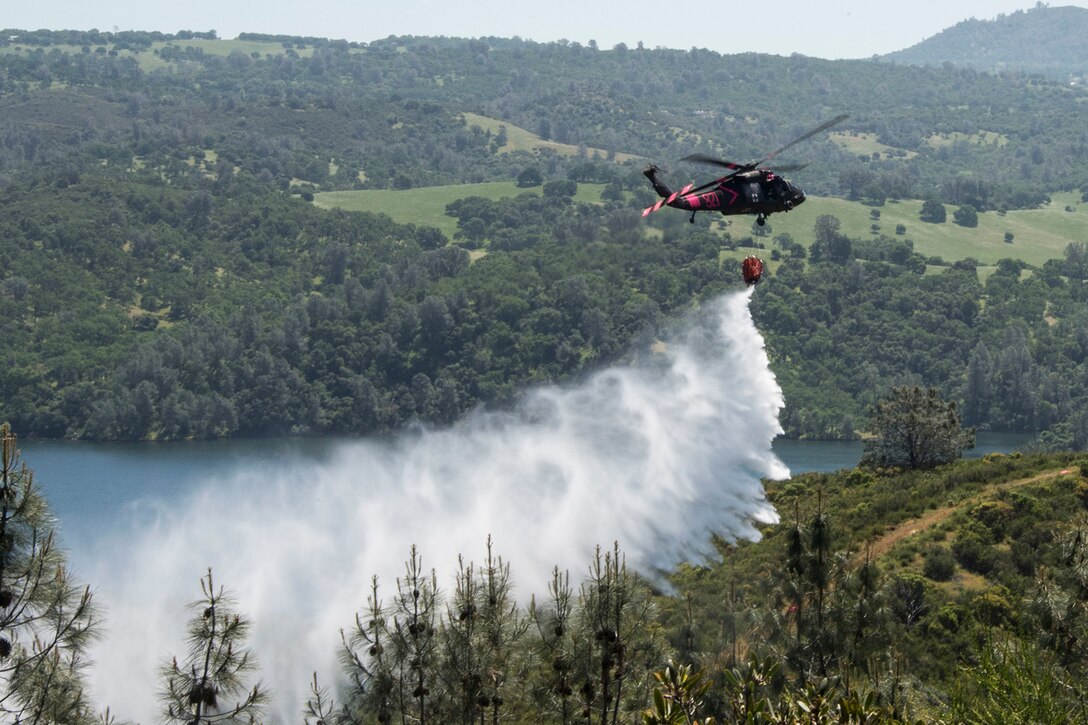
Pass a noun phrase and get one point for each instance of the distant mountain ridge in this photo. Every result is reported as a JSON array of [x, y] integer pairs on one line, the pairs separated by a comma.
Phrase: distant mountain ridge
[[1044, 40]]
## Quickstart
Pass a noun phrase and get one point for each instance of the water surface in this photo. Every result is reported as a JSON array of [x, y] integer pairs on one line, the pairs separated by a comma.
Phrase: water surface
[[96, 486]]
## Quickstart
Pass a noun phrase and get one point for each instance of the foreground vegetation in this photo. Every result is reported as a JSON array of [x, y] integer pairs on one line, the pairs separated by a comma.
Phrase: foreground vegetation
[[950, 594]]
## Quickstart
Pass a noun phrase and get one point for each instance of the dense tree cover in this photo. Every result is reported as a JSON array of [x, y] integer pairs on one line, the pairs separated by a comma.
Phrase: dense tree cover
[[143, 310], [140, 310], [137, 311], [391, 110], [1008, 351], [160, 281]]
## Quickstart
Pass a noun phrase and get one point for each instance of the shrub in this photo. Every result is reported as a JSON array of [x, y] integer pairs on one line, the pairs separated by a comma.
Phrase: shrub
[[993, 608], [973, 552], [939, 564], [995, 516]]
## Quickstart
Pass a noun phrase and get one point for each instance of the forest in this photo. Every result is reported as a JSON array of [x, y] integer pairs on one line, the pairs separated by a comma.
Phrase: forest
[[164, 276]]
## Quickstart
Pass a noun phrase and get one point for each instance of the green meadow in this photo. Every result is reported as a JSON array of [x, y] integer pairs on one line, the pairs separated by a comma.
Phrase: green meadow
[[1037, 234], [426, 206], [519, 139]]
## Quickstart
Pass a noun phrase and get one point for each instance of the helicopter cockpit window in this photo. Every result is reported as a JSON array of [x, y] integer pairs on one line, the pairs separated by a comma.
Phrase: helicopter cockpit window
[[754, 192]]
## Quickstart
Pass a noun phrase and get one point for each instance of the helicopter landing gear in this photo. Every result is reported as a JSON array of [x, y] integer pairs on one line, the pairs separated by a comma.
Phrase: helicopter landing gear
[[692, 219], [761, 220]]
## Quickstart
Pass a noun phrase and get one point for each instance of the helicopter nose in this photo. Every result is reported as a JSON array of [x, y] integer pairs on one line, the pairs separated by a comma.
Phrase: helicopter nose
[[799, 196]]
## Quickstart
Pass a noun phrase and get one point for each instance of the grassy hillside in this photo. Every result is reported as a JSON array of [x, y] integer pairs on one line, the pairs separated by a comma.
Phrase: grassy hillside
[[1038, 234], [427, 206], [896, 515], [925, 571], [519, 139]]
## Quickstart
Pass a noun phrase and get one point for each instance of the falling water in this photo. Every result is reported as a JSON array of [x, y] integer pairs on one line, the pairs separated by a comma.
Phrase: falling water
[[657, 455]]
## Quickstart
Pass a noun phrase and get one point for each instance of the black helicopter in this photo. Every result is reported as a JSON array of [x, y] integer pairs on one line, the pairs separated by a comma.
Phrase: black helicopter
[[750, 189]]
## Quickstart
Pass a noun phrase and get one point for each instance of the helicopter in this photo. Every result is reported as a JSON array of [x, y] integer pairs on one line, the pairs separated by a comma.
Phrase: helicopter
[[749, 189]]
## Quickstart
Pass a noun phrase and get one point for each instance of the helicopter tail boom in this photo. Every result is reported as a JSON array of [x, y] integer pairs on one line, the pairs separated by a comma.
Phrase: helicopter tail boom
[[667, 195]]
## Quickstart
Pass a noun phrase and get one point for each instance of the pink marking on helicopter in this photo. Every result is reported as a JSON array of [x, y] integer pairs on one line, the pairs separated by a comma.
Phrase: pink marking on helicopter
[[668, 200]]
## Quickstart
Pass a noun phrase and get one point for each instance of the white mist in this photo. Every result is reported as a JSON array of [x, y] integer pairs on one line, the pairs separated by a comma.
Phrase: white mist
[[658, 456]]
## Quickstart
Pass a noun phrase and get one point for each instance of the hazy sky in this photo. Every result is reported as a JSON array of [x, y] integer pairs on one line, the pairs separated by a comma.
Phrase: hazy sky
[[822, 28]]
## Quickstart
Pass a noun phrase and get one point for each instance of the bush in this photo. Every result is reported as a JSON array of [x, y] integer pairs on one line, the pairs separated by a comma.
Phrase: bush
[[1024, 558], [995, 516], [939, 564], [973, 553], [993, 608]]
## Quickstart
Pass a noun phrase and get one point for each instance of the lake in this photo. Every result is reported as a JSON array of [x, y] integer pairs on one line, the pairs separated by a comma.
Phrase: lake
[[89, 484]]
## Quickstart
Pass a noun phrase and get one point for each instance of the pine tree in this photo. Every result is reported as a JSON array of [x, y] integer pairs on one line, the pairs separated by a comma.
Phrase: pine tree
[[369, 665], [484, 625], [46, 619], [413, 637], [555, 644], [215, 671], [614, 614]]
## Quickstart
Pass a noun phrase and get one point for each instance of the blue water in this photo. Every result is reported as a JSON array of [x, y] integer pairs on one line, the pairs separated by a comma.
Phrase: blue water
[[91, 486], [96, 485], [825, 456]]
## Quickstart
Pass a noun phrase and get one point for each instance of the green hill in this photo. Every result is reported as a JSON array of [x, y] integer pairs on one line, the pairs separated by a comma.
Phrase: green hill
[[161, 277], [1045, 40], [921, 573], [1038, 234]]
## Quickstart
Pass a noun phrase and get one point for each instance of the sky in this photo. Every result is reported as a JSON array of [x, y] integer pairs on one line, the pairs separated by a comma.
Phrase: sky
[[820, 28]]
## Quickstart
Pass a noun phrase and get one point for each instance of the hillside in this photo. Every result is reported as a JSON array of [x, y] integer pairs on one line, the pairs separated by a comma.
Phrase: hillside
[[165, 277], [1045, 40], [910, 576]]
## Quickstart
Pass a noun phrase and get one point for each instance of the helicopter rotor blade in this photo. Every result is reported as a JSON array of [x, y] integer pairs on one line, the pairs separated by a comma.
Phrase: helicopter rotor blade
[[787, 167], [709, 184], [738, 168], [822, 127], [704, 159]]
